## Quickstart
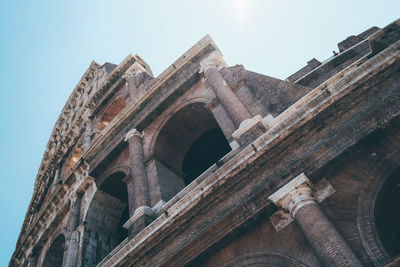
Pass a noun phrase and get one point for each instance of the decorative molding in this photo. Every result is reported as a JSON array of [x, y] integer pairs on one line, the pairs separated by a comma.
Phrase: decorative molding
[[215, 59], [269, 119], [280, 220], [246, 125], [133, 70], [132, 133], [140, 212], [159, 205], [296, 194]]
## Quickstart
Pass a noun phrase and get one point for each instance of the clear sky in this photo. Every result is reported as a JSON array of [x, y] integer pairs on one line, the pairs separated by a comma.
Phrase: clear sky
[[46, 46]]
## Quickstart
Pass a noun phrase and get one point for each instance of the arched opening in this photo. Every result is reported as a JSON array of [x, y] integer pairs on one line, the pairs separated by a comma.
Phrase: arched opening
[[205, 151], [188, 144], [73, 158], [387, 214], [107, 213], [54, 256], [267, 258], [111, 111]]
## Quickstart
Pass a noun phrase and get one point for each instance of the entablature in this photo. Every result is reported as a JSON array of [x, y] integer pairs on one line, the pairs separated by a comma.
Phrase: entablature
[[151, 101], [341, 106]]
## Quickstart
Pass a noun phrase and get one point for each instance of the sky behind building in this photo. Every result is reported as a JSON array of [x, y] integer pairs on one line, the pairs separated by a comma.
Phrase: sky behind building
[[46, 46]]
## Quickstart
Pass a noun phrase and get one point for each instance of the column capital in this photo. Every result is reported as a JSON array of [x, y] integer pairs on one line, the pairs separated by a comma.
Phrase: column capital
[[136, 68], [294, 195], [132, 133], [215, 59]]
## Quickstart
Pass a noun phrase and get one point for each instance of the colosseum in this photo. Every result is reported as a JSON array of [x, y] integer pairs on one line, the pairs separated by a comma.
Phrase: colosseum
[[215, 165]]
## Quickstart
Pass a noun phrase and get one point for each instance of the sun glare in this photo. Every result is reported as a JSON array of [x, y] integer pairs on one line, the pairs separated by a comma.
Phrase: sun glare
[[241, 6]]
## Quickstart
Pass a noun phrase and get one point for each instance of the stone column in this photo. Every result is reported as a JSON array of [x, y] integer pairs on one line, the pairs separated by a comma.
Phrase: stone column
[[237, 111], [132, 89], [72, 233], [32, 261], [56, 180], [73, 221], [297, 198], [136, 156], [129, 77], [140, 213], [88, 132]]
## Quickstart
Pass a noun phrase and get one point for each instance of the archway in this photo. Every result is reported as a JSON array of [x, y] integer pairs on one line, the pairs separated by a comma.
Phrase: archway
[[73, 158], [107, 213], [267, 258], [189, 143], [387, 214], [111, 111], [54, 256], [369, 207]]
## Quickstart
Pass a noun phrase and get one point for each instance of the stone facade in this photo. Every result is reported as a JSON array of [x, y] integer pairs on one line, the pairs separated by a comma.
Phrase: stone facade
[[211, 165]]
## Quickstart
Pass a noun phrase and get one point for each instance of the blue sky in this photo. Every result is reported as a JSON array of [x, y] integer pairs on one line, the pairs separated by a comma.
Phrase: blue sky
[[46, 46]]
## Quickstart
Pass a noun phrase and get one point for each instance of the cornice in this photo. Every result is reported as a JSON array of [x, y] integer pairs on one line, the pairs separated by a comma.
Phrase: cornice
[[225, 181], [59, 144], [146, 94], [56, 147], [304, 111]]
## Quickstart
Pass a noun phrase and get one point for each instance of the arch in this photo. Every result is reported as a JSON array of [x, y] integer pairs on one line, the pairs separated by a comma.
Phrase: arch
[[366, 207], [73, 158], [119, 168], [182, 148], [111, 111], [107, 212], [54, 256], [267, 258], [203, 100], [387, 214]]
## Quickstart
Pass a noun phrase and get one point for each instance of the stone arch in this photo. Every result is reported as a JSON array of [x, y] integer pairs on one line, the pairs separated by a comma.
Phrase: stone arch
[[111, 111], [73, 158], [54, 255], [117, 169], [366, 207], [203, 100], [107, 211], [261, 259], [187, 143], [387, 214]]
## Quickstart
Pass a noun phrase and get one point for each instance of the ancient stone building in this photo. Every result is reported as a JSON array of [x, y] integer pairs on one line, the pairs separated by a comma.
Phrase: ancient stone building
[[215, 165]]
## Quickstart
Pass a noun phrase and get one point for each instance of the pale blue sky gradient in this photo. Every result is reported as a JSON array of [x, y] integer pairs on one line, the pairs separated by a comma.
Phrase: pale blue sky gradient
[[46, 46]]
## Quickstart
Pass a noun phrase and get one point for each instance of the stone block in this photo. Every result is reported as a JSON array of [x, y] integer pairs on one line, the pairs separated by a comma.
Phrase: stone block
[[141, 219], [249, 130]]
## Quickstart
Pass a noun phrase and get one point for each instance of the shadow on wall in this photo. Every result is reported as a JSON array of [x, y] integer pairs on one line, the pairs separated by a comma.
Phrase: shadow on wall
[[54, 256], [189, 143], [387, 214]]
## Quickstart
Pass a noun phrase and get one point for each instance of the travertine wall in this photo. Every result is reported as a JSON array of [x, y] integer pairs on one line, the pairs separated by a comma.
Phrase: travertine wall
[[111, 182]]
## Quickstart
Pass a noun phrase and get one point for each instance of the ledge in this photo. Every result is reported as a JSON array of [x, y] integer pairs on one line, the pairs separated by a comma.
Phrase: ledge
[[289, 122], [139, 212]]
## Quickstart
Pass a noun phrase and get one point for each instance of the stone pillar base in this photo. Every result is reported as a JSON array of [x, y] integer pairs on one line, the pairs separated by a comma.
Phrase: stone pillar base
[[142, 217], [249, 130]]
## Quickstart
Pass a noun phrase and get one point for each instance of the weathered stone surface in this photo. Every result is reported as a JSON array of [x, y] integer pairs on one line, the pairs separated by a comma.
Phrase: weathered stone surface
[[338, 122]]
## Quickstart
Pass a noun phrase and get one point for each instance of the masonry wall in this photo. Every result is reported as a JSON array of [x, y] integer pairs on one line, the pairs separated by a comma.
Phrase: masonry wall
[[357, 176]]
